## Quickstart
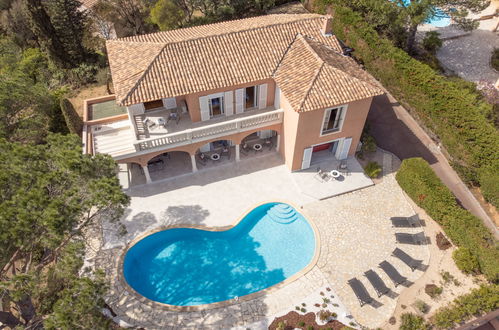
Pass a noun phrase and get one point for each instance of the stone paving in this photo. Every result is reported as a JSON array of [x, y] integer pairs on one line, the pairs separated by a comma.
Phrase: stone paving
[[355, 233]]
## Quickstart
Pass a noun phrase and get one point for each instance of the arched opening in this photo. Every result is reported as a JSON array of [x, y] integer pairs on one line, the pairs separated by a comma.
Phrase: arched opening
[[215, 153], [169, 164], [260, 142]]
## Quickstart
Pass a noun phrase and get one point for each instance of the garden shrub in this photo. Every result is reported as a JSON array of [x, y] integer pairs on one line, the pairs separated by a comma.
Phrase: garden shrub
[[432, 290], [457, 115], [73, 120], [372, 169], [479, 301], [466, 261], [409, 321], [465, 230]]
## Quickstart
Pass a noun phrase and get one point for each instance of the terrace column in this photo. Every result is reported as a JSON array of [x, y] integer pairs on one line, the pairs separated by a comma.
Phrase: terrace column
[[194, 165], [237, 153], [146, 173], [278, 142]]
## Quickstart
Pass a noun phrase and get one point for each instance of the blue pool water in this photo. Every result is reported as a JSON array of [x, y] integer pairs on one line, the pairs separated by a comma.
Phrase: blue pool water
[[440, 20], [188, 267]]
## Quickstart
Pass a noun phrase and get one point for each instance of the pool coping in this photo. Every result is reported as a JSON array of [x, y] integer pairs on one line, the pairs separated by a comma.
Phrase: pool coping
[[225, 303]]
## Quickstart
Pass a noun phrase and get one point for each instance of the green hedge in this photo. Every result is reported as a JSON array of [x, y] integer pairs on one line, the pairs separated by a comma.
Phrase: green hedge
[[465, 230], [73, 120], [479, 301], [457, 114]]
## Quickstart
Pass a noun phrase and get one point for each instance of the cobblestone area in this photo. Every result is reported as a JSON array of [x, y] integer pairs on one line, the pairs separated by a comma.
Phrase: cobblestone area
[[356, 235]]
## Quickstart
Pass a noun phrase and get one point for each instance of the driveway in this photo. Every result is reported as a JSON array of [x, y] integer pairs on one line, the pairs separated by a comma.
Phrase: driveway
[[396, 131]]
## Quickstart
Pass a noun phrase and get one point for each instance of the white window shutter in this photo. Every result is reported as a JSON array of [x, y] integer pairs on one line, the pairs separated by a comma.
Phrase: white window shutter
[[339, 148], [262, 96], [342, 114], [345, 147], [307, 158], [203, 107], [170, 103], [277, 97], [229, 103], [239, 100], [326, 119]]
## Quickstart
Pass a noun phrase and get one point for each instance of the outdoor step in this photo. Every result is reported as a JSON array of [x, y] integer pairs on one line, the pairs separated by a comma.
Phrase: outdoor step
[[282, 213]]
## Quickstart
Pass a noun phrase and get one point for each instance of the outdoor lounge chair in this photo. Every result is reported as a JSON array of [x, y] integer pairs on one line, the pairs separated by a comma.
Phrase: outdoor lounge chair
[[415, 239], [360, 291], [407, 259], [406, 222], [149, 123], [392, 273], [377, 283], [268, 143]]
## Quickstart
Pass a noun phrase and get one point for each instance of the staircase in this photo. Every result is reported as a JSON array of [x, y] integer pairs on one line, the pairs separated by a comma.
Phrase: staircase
[[282, 213], [141, 130]]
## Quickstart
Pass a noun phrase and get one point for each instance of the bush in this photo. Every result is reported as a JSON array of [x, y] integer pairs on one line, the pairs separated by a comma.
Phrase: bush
[[412, 322], [324, 315], [442, 242], [73, 120], [466, 261], [477, 302], [432, 290], [421, 306], [368, 144], [464, 229], [432, 42], [494, 60], [372, 169], [456, 114]]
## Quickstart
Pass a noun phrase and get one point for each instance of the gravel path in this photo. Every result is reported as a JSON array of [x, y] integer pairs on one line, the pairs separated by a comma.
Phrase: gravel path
[[469, 56]]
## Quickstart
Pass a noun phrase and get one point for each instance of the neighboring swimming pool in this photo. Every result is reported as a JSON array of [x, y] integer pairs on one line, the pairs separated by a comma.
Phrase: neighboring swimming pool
[[187, 267], [440, 20]]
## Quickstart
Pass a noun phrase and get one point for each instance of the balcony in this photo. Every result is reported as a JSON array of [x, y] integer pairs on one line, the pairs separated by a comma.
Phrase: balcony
[[225, 126]]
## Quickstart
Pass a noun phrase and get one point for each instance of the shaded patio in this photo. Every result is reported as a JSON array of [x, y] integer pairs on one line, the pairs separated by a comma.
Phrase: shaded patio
[[311, 184]]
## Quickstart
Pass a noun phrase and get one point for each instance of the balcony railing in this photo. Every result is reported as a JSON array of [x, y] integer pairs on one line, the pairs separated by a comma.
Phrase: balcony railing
[[211, 131]]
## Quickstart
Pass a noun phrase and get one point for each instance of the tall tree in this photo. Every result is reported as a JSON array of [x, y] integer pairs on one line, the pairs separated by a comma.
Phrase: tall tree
[[167, 15], [50, 194]]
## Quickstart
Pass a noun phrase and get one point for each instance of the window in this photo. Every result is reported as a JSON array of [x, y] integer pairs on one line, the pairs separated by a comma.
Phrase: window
[[250, 97], [153, 104], [216, 106], [333, 120]]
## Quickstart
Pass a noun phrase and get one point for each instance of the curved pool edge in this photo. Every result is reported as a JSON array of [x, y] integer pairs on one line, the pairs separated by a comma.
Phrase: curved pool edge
[[175, 308]]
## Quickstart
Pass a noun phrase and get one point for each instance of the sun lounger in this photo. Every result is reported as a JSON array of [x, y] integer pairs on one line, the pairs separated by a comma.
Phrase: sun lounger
[[360, 291], [415, 239], [392, 273], [324, 176], [407, 259], [377, 283], [406, 222]]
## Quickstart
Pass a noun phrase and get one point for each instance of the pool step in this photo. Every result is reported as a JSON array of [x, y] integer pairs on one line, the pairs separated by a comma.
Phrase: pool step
[[282, 213]]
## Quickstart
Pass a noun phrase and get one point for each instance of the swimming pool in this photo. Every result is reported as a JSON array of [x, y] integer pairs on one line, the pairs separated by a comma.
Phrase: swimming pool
[[187, 267], [441, 19]]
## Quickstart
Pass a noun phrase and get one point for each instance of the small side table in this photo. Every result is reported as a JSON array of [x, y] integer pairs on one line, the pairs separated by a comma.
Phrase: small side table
[[215, 157], [334, 174], [257, 147]]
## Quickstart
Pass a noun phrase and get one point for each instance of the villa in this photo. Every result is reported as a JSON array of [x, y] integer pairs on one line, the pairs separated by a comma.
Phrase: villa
[[194, 95]]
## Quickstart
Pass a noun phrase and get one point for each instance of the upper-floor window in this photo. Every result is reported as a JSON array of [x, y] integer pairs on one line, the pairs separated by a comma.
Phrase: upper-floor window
[[216, 105], [333, 120], [250, 97]]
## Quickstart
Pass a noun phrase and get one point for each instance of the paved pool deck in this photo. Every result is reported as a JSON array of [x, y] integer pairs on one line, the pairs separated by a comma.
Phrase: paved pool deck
[[354, 229]]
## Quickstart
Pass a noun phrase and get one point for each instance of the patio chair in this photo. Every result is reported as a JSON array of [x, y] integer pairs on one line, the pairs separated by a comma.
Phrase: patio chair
[[202, 158], [407, 259], [149, 123], [414, 239], [392, 273], [268, 143], [225, 152], [173, 115], [377, 283], [406, 222], [343, 167], [245, 149], [360, 291], [324, 176]]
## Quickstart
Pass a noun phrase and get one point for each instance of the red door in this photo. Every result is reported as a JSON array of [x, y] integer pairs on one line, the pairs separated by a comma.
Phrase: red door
[[321, 147]]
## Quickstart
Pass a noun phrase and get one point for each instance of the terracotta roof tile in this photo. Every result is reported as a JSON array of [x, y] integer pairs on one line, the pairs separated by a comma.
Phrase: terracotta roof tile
[[184, 61], [313, 76]]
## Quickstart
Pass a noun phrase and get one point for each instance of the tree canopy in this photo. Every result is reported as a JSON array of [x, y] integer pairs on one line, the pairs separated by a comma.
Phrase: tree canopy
[[50, 194]]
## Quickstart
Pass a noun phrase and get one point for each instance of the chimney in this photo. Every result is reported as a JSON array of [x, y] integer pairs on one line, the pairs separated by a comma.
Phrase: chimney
[[327, 27]]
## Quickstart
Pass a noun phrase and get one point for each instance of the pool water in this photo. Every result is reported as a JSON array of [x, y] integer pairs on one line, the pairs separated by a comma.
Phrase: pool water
[[186, 267], [440, 20]]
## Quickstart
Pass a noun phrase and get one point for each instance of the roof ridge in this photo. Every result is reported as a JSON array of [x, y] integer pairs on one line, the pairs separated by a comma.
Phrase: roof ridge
[[316, 16], [316, 75], [284, 54], [142, 77]]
